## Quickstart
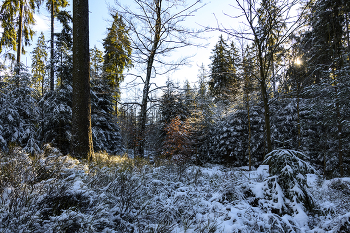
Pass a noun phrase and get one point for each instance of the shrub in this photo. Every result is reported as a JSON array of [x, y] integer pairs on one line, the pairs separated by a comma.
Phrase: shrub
[[285, 190]]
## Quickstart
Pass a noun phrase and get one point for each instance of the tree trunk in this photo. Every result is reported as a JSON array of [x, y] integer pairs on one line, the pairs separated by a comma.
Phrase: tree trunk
[[249, 131], [267, 116], [52, 74], [19, 41], [143, 114], [81, 112], [298, 121], [264, 95], [339, 126]]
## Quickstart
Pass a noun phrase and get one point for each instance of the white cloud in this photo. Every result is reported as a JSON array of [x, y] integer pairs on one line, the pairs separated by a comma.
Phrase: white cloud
[[42, 23]]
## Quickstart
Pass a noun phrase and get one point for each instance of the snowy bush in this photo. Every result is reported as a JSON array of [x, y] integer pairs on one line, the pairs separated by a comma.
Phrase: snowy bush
[[285, 192], [55, 193], [18, 112]]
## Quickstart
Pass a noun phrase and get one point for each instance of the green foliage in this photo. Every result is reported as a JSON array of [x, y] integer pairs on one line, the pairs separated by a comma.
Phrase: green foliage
[[39, 59], [286, 188], [96, 60], [295, 160], [10, 12], [117, 53], [224, 82]]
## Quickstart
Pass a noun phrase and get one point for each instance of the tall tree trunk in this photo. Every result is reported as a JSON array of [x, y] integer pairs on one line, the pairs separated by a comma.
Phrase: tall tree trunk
[[264, 95], [81, 112], [19, 41], [52, 74], [249, 131], [298, 119], [143, 114], [339, 126], [267, 116]]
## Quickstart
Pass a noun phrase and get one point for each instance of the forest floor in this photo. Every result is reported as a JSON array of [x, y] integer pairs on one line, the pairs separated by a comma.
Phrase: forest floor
[[55, 193]]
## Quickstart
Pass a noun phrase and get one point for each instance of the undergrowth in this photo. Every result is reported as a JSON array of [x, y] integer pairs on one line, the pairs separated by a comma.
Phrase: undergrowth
[[51, 192]]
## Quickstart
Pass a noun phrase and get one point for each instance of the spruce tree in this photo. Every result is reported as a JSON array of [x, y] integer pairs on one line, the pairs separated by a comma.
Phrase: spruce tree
[[53, 6], [328, 66], [17, 19], [56, 106], [224, 82], [39, 59], [19, 112], [117, 55]]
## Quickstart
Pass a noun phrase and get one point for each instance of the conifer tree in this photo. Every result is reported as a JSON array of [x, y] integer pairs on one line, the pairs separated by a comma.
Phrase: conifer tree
[[328, 67], [39, 59], [53, 6], [223, 82], [56, 106], [96, 60], [117, 55], [17, 19], [18, 113], [203, 114]]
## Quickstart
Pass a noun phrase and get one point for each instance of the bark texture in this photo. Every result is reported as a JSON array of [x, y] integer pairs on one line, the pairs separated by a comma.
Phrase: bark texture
[[52, 74], [82, 147]]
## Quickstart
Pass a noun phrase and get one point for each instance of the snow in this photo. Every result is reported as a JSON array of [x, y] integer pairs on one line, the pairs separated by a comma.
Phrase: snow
[[211, 198]]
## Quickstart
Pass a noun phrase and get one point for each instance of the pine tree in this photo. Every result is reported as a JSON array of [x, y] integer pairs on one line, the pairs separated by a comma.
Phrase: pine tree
[[56, 106], [223, 82], [39, 59], [328, 66], [18, 115], [117, 55], [17, 19], [53, 6], [203, 116], [96, 60], [105, 129]]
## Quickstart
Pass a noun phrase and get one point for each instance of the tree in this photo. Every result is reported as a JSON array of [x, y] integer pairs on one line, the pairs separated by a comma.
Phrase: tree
[[266, 30], [105, 130], [249, 86], [326, 48], [117, 55], [203, 114], [63, 52], [39, 58], [56, 106], [19, 111], [224, 82], [17, 19], [178, 144], [81, 112], [96, 63], [156, 29], [53, 6]]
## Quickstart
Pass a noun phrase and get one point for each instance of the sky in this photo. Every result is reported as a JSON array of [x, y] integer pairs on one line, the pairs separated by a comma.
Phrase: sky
[[100, 19]]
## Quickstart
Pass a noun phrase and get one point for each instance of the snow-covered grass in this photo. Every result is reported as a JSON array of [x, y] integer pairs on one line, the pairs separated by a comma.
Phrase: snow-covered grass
[[56, 193]]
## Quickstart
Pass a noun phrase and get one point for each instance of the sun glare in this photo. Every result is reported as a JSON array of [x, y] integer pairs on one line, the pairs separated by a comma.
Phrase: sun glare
[[298, 61]]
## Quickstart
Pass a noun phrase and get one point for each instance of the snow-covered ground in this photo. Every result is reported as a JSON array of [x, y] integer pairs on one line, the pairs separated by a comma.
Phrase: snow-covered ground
[[59, 194]]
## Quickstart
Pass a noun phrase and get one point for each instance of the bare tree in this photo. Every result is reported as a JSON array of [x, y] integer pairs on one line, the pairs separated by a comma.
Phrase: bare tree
[[268, 24], [156, 29]]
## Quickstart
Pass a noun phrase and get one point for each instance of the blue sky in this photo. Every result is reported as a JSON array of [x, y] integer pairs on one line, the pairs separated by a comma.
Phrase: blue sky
[[100, 19]]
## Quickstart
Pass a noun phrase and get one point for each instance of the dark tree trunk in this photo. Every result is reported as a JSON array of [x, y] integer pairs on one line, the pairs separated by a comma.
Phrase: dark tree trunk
[[19, 40], [81, 112], [143, 115], [52, 74], [249, 131], [264, 96]]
